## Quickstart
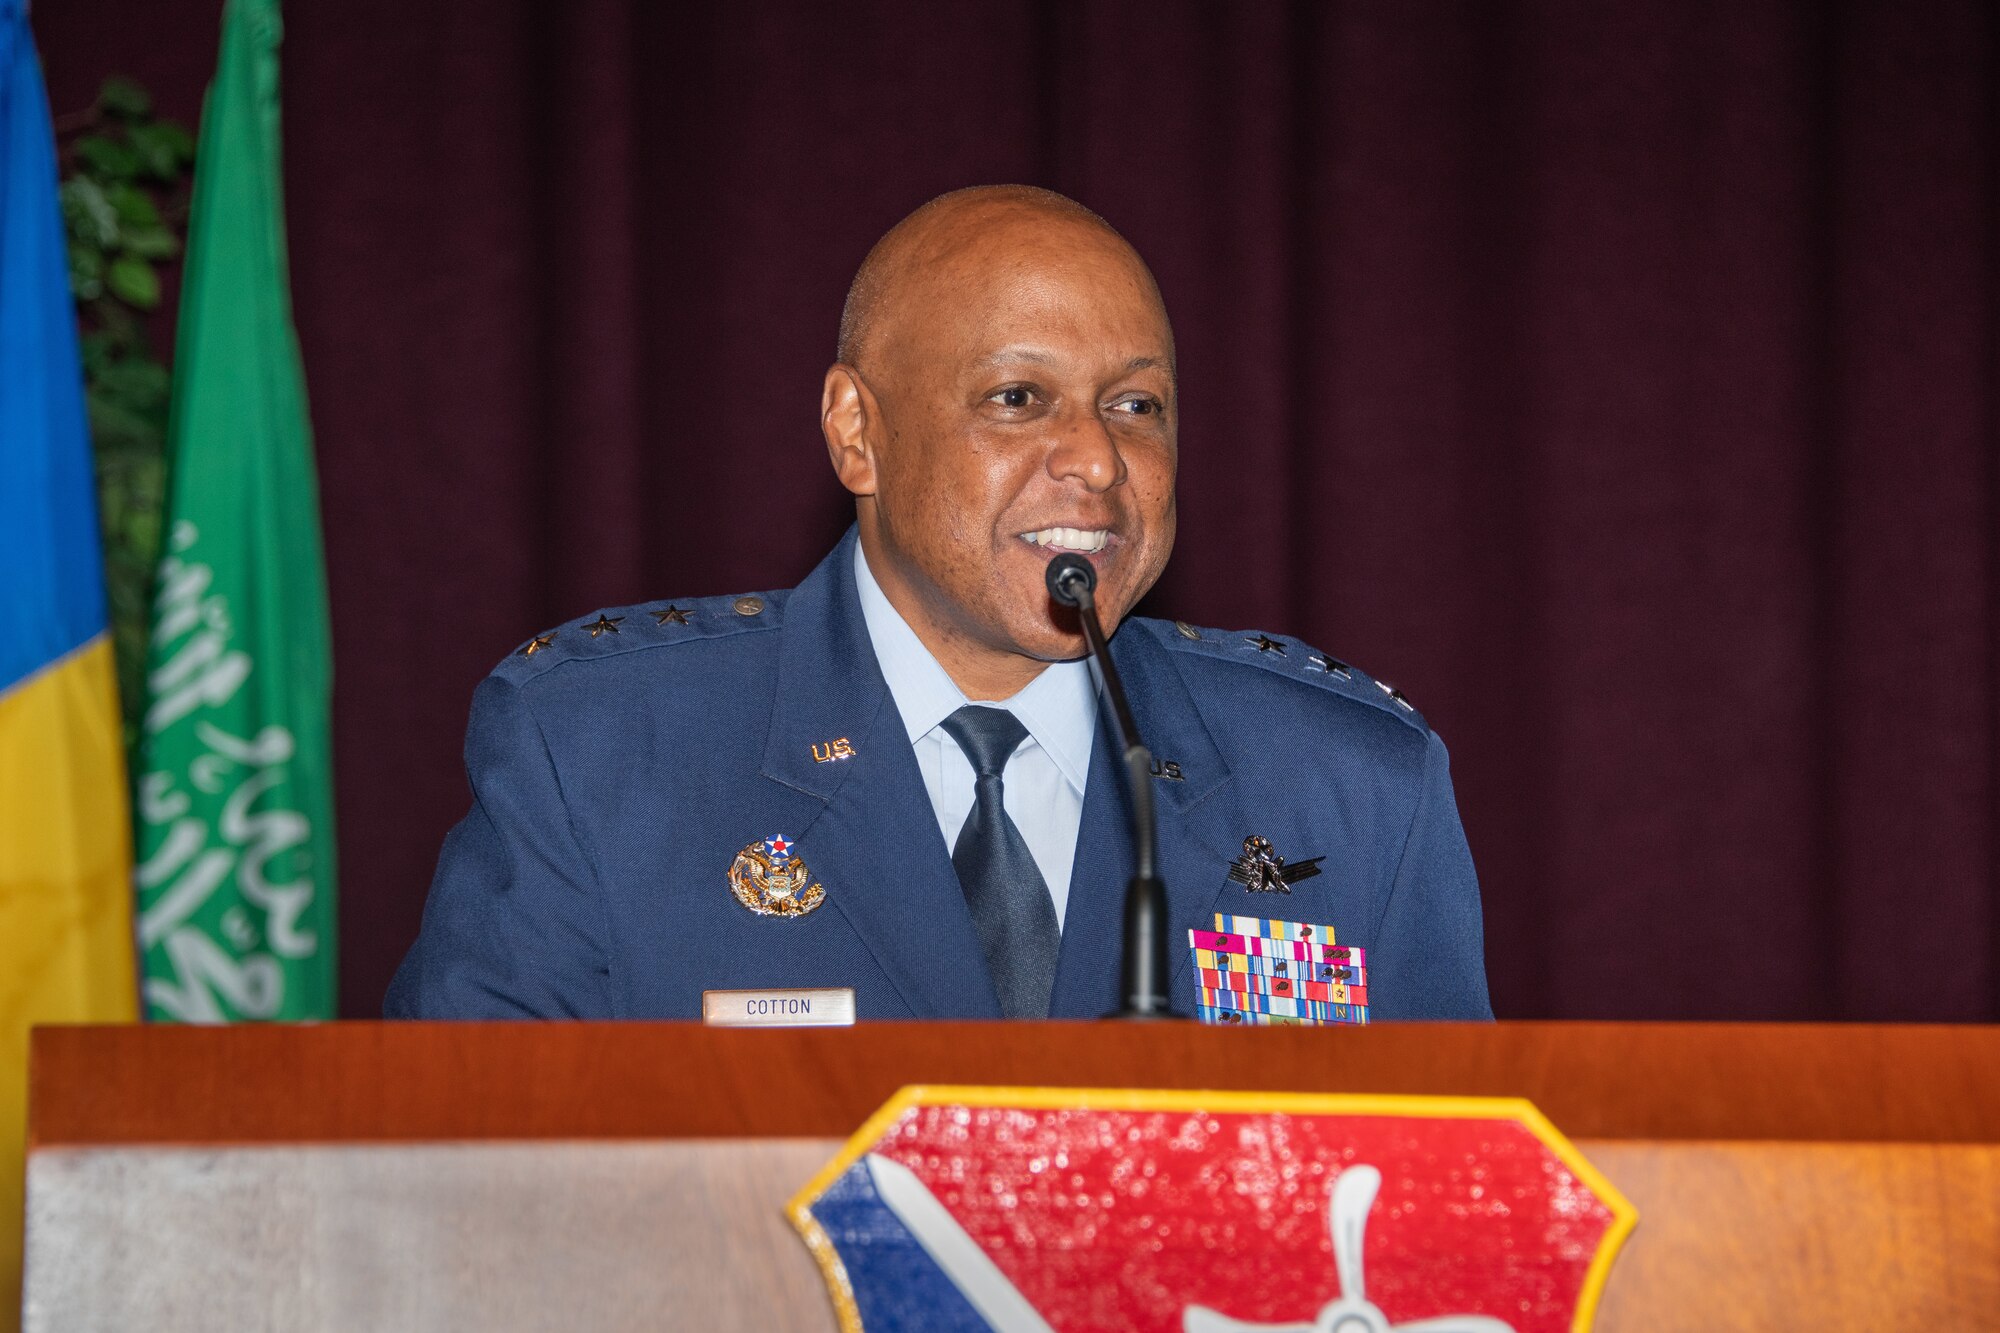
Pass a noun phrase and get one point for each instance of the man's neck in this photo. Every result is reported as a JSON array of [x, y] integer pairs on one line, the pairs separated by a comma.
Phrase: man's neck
[[979, 670], [978, 674]]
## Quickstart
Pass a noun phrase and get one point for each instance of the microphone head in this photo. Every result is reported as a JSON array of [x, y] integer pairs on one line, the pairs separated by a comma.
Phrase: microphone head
[[1071, 579]]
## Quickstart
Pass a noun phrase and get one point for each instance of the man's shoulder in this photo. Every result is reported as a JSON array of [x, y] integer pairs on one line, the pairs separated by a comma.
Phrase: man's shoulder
[[1277, 667], [687, 633]]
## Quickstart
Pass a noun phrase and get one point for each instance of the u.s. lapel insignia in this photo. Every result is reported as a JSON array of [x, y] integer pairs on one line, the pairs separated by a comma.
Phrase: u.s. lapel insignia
[[771, 879], [1261, 870]]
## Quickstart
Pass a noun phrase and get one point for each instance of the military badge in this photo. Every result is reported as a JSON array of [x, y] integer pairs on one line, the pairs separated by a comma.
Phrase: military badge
[[771, 880], [1261, 870]]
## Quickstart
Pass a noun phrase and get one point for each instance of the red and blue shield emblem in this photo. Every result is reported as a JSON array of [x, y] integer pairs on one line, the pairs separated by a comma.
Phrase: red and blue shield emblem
[[1189, 1212]]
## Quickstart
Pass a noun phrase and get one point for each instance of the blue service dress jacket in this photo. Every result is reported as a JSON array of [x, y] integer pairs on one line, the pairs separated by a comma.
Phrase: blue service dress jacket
[[620, 763]]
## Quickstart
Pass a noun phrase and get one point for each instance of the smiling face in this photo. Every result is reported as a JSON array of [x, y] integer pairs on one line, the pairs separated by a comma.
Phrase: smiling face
[[1010, 396]]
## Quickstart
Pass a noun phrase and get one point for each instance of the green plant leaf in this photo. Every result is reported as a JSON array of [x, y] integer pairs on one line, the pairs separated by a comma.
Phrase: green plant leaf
[[121, 327], [136, 381], [124, 98], [107, 158], [175, 136], [135, 208], [157, 150], [96, 349], [86, 272], [151, 243], [89, 214], [117, 429], [134, 281]]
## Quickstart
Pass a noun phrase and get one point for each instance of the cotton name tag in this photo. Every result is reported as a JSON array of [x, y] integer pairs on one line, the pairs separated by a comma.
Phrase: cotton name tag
[[815, 1007], [1253, 970]]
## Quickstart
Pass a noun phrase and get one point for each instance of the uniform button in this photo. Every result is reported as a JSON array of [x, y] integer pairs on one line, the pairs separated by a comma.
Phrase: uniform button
[[749, 606], [1187, 631]]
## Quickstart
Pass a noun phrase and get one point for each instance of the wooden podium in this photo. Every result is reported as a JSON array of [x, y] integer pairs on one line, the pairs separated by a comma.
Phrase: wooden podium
[[631, 1176]]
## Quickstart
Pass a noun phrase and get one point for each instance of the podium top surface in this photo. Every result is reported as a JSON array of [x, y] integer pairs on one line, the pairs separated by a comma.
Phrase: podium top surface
[[409, 1082]]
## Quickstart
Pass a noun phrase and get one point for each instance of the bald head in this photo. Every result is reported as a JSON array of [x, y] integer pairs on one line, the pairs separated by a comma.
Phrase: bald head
[[926, 255], [1005, 391]]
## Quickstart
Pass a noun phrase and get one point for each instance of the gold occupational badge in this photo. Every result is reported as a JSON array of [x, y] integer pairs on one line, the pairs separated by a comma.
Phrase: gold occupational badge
[[769, 879]]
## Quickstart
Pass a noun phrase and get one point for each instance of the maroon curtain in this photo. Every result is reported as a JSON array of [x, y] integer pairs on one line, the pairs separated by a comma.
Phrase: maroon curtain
[[1618, 380]]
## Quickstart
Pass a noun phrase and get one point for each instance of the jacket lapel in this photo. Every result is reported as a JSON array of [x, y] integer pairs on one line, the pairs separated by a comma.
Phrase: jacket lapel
[[1193, 813], [866, 823]]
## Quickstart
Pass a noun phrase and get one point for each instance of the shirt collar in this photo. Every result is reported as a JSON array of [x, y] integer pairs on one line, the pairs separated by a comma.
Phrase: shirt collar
[[1058, 707]]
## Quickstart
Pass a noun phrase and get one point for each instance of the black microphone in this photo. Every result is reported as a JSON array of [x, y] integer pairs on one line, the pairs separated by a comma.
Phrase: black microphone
[[1142, 975]]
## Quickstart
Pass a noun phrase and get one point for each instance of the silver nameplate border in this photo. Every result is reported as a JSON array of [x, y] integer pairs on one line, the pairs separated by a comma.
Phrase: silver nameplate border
[[811, 1007]]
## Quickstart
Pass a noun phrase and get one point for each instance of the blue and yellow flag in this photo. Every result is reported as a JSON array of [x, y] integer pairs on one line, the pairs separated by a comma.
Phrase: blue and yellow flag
[[65, 835]]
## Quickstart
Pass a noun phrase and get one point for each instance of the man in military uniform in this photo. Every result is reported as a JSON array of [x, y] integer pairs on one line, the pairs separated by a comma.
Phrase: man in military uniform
[[895, 776]]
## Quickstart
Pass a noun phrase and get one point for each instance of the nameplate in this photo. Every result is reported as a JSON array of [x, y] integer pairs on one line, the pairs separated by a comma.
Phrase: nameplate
[[815, 1007]]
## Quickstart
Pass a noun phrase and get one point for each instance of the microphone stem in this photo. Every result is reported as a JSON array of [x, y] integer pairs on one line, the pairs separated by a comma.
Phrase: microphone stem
[[1143, 972], [1138, 759], [1093, 634]]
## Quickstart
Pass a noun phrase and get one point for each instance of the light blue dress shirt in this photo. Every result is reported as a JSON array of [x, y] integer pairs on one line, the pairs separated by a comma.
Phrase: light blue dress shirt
[[1045, 778]]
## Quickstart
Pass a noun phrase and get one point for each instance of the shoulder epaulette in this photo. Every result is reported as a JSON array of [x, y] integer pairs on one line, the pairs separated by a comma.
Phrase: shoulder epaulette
[[610, 631], [1291, 659]]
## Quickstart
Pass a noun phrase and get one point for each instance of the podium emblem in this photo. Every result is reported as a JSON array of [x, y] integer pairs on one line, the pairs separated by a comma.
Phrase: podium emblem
[[771, 879], [1037, 1209]]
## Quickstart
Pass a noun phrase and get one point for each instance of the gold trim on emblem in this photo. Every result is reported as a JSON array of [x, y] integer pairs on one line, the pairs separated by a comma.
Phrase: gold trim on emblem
[[771, 880]]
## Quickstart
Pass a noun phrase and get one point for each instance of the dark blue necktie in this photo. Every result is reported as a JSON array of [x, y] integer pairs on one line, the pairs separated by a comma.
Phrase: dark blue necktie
[[1011, 907]]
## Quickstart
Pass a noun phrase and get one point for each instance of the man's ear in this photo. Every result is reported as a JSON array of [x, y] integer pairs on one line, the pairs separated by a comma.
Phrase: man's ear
[[850, 420]]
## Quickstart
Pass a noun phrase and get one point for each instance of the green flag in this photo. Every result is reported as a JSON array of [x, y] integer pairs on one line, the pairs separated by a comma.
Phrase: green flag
[[234, 792]]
